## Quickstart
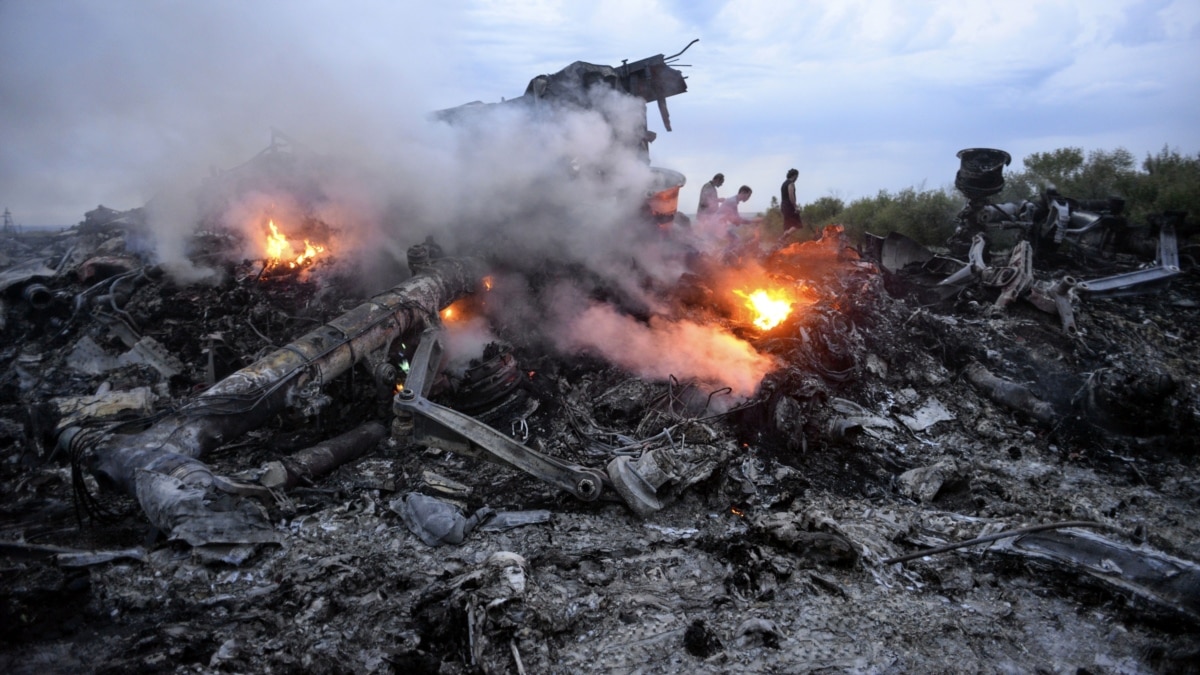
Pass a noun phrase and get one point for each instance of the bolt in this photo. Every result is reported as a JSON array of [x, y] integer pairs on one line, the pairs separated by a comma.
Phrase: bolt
[[407, 395], [586, 486]]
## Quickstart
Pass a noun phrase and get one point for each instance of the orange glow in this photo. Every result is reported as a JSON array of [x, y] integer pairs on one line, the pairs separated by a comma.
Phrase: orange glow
[[453, 313], [487, 283], [769, 308], [280, 251]]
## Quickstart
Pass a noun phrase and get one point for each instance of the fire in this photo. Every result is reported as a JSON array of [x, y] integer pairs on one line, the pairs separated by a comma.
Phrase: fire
[[487, 283], [280, 251], [276, 243], [770, 308]]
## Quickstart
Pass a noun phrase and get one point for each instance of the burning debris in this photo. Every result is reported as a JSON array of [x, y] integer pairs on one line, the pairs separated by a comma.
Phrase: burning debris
[[505, 464], [282, 256]]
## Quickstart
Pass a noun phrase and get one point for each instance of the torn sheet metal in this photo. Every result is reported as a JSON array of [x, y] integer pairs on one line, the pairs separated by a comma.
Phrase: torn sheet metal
[[437, 522], [90, 358], [1165, 580], [929, 414], [137, 402]]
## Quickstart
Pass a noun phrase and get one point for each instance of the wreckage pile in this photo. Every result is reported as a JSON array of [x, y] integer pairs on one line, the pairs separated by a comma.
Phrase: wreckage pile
[[242, 476]]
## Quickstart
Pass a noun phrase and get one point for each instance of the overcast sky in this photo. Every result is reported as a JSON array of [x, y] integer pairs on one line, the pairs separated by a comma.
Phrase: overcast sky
[[105, 101]]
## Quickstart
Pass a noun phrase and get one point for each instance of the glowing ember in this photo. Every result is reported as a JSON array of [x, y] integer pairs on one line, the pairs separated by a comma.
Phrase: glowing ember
[[280, 251], [487, 283], [770, 307], [451, 313]]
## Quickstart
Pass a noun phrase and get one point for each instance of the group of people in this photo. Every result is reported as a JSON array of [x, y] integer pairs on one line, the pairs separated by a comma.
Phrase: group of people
[[713, 208]]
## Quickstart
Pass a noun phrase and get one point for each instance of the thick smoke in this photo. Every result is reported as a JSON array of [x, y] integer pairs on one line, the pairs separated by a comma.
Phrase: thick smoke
[[551, 194]]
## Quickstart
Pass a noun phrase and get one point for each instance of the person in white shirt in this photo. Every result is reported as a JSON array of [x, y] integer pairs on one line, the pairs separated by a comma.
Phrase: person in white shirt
[[727, 213]]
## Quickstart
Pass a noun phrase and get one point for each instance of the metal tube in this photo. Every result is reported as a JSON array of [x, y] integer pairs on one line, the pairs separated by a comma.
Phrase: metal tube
[[249, 397]]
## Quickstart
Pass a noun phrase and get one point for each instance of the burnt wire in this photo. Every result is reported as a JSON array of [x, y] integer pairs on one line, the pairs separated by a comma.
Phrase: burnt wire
[[625, 445], [81, 298], [112, 297], [672, 398], [84, 502]]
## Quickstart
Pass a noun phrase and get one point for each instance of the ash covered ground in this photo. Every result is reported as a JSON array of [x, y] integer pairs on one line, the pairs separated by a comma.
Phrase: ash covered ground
[[886, 425]]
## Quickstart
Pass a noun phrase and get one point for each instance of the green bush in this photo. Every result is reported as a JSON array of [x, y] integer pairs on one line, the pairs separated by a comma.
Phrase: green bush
[[926, 216], [1165, 181]]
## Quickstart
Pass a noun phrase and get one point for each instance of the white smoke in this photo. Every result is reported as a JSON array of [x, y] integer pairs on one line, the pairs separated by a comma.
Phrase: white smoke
[[662, 348]]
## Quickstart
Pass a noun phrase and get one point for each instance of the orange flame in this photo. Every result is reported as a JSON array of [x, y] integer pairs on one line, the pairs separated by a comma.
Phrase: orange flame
[[280, 251], [276, 243], [770, 308]]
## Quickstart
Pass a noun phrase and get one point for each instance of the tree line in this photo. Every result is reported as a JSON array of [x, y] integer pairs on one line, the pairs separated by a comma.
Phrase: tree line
[[1166, 181]]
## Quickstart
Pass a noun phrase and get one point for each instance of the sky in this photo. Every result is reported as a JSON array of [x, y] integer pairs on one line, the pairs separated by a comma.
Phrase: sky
[[108, 101], [131, 103]]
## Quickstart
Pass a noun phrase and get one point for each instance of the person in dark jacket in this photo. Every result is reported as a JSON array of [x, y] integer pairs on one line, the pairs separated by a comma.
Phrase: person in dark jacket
[[787, 204], [709, 201]]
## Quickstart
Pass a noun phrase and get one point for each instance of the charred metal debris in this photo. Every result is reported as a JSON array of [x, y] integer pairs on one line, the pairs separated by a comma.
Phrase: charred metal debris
[[551, 512]]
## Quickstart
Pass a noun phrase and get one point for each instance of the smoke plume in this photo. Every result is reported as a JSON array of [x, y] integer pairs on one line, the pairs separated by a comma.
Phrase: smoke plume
[[186, 94]]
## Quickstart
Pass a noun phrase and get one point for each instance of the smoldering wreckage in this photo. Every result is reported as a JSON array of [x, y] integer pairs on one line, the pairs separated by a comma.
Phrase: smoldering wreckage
[[949, 462]]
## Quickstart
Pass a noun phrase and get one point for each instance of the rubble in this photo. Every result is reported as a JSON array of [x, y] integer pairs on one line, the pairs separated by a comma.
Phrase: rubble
[[279, 470]]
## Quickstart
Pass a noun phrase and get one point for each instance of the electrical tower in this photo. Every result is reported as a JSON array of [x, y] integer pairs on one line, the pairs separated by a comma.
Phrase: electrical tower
[[9, 229]]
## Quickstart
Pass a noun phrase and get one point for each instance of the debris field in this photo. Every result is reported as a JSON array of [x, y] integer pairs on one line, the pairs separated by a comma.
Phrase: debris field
[[524, 510]]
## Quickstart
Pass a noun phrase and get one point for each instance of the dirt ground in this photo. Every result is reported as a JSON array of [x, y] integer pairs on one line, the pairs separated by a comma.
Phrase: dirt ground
[[872, 439]]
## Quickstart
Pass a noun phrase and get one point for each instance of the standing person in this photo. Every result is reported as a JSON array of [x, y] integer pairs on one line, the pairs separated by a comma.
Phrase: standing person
[[787, 204], [709, 201]]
